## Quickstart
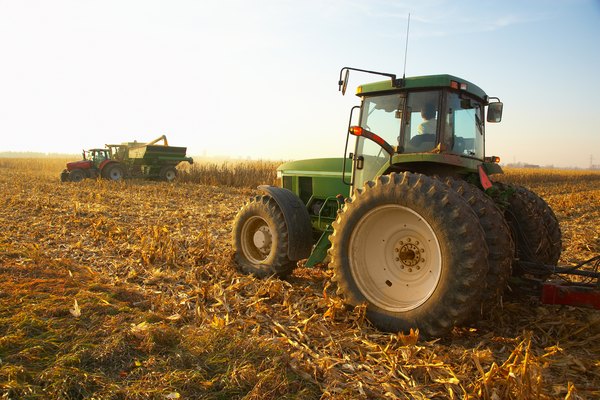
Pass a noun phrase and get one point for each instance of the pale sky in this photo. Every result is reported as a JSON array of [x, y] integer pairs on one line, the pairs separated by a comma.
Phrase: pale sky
[[259, 78]]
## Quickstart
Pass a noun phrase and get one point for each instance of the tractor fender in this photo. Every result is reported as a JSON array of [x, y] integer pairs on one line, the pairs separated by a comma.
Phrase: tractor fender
[[296, 219]]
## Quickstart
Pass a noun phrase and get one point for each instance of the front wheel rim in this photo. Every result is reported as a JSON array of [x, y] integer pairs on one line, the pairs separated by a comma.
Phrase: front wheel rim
[[256, 240], [77, 177], [170, 175], [395, 258]]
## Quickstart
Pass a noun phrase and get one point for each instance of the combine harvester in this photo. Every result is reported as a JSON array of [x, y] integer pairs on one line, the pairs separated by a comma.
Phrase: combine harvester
[[412, 223], [128, 160]]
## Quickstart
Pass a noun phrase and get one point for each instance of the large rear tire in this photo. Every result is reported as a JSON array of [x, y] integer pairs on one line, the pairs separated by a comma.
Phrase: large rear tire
[[497, 237], [413, 250], [260, 239], [553, 233]]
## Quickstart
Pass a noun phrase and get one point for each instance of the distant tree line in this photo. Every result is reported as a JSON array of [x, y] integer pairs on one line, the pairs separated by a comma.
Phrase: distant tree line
[[33, 154]]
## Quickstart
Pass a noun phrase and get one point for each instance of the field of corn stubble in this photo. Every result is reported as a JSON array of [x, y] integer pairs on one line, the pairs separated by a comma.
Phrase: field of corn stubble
[[128, 291]]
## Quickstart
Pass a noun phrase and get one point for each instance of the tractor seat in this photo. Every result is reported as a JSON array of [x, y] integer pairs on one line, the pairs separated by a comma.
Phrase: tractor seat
[[420, 143]]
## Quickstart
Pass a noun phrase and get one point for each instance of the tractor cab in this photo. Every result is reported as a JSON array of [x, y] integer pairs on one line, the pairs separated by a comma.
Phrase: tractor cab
[[92, 162], [97, 156], [429, 124]]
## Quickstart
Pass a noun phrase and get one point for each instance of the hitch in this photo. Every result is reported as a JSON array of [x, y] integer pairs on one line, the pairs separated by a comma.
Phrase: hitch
[[578, 294]]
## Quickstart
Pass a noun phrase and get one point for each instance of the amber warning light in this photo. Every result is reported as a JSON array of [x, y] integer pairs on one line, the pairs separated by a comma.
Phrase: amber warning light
[[493, 159], [358, 131]]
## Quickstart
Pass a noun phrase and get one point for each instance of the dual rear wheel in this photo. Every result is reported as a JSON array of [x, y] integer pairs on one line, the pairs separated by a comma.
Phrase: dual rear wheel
[[534, 228]]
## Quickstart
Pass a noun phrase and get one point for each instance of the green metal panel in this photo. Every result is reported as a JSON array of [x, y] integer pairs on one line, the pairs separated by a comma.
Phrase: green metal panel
[[420, 82], [326, 174], [158, 155], [154, 151], [313, 167]]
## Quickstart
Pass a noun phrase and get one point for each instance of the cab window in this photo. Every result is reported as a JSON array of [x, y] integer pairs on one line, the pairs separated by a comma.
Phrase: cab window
[[422, 127], [464, 126]]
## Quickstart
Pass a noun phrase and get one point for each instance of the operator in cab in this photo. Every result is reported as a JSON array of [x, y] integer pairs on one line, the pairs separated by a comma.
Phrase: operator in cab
[[429, 124]]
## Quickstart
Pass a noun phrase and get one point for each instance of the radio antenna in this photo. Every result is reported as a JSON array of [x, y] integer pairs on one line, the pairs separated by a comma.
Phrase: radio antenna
[[406, 47]]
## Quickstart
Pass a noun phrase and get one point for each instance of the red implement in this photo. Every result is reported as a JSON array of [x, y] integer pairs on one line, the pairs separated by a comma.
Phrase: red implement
[[571, 294]]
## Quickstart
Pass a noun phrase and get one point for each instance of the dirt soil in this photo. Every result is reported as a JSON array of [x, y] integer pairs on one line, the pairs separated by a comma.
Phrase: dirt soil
[[128, 291]]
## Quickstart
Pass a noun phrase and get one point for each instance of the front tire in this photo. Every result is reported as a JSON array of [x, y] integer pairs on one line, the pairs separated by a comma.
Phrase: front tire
[[413, 250], [77, 175], [260, 239]]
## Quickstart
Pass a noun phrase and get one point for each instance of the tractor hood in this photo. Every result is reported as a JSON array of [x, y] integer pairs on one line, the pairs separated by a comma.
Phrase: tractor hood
[[83, 164]]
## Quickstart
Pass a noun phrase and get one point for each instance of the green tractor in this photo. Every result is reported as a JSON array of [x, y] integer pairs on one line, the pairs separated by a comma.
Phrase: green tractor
[[409, 220]]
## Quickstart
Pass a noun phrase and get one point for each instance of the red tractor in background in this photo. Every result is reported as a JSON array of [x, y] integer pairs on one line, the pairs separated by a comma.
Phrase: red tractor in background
[[128, 160], [96, 163]]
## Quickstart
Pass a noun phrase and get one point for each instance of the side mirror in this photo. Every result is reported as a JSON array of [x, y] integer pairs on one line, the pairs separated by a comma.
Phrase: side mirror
[[343, 83], [494, 113]]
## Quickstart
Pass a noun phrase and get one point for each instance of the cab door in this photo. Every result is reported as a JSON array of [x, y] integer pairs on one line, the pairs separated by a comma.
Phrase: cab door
[[381, 115]]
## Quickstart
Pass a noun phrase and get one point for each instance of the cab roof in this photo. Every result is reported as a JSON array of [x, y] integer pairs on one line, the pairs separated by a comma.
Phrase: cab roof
[[422, 82]]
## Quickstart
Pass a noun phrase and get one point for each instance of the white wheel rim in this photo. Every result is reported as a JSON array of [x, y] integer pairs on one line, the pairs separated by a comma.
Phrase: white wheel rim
[[170, 175], [115, 174], [256, 239], [395, 258]]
